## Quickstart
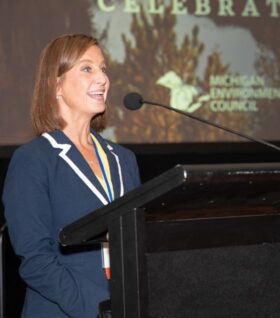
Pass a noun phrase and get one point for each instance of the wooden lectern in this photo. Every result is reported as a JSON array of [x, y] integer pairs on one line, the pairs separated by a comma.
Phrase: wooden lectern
[[196, 241]]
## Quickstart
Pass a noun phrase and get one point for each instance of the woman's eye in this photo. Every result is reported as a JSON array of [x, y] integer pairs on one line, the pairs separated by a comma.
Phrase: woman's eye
[[104, 69], [87, 69]]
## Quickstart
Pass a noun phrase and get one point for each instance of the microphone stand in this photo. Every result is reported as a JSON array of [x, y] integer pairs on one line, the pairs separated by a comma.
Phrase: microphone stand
[[232, 131]]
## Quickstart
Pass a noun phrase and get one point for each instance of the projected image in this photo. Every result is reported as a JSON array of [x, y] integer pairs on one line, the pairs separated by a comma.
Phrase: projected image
[[216, 71], [217, 60]]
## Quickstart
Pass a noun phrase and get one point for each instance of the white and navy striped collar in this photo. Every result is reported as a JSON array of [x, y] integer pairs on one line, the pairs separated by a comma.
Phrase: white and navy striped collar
[[70, 154]]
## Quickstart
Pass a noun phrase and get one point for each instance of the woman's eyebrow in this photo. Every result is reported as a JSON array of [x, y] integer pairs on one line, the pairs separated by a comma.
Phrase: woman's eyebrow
[[85, 60], [90, 61]]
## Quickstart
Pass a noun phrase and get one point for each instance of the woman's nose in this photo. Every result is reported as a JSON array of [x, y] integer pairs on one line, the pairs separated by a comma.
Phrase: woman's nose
[[100, 77]]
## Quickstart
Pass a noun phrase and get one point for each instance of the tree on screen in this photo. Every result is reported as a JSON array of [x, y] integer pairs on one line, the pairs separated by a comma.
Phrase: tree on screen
[[152, 54]]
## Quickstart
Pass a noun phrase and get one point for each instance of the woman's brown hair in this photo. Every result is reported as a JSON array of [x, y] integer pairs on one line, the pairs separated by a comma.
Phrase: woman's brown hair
[[58, 57]]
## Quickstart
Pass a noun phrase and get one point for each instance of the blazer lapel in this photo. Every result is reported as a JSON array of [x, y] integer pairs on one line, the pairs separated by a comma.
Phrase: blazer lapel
[[70, 154]]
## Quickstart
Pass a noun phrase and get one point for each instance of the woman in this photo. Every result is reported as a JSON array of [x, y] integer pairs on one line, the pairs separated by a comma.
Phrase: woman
[[66, 172]]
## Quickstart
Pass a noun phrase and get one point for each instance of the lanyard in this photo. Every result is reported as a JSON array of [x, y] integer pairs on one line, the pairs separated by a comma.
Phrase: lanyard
[[103, 171]]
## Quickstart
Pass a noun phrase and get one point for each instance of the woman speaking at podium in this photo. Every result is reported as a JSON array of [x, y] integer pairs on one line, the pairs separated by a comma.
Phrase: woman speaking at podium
[[66, 172]]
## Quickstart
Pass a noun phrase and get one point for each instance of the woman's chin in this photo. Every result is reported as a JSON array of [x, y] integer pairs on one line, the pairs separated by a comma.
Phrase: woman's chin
[[98, 109]]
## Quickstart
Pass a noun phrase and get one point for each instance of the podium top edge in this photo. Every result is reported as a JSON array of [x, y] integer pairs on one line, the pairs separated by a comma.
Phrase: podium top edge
[[265, 166]]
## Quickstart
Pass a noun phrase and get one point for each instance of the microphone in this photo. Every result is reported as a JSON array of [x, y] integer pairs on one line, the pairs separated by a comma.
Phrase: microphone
[[134, 101]]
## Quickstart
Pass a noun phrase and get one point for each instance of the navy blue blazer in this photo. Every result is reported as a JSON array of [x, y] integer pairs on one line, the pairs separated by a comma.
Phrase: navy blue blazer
[[48, 186]]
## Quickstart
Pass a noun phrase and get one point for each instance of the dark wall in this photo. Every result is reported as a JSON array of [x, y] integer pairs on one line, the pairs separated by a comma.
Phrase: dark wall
[[155, 158], [13, 286], [5, 154]]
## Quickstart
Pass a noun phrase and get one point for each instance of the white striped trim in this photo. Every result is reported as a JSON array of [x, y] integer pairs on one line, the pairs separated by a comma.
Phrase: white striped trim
[[63, 154]]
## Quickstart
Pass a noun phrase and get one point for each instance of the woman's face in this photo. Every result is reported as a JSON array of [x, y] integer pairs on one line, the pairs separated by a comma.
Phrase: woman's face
[[82, 91]]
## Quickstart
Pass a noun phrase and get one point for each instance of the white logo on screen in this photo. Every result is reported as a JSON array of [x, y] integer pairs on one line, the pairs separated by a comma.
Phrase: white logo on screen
[[182, 96]]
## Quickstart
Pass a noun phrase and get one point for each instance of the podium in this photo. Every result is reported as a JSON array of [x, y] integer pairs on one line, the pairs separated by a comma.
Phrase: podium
[[196, 241]]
